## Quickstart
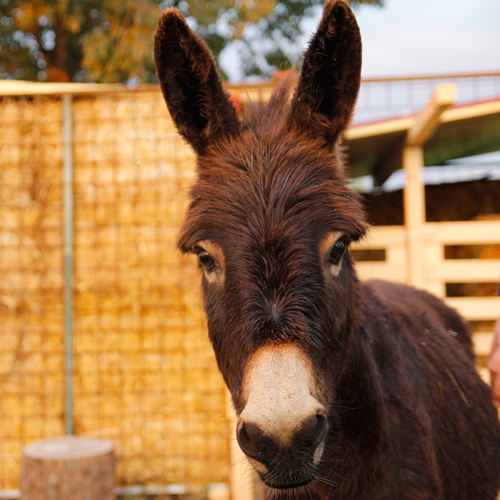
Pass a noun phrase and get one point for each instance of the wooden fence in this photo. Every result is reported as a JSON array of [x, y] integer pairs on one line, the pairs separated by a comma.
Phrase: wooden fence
[[455, 253]]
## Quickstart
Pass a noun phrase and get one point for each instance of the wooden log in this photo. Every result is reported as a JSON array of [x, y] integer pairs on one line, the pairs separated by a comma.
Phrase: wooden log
[[68, 468]]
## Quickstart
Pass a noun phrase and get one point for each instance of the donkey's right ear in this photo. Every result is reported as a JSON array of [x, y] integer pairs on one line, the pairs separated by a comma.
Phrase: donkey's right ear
[[198, 104]]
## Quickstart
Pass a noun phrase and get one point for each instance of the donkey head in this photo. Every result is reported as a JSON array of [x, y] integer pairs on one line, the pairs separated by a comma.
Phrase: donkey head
[[271, 219]]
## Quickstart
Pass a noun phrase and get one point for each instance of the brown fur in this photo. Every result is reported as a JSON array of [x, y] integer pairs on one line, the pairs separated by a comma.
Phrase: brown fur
[[408, 417], [189, 82]]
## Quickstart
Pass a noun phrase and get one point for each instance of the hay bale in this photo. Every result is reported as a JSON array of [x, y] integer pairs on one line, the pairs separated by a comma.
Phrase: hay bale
[[145, 376]]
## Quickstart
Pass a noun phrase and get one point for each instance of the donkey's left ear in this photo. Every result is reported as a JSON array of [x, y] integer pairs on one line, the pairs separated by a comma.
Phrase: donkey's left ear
[[190, 84], [331, 74]]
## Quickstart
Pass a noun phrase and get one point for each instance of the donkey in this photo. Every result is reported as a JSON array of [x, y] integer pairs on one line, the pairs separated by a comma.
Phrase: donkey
[[344, 389]]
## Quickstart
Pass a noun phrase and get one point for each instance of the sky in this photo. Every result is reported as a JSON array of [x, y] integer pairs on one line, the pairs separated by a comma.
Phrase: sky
[[417, 37], [421, 37]]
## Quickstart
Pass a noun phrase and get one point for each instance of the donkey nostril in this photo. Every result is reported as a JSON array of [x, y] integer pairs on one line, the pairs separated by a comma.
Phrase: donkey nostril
[[312, 431], [242, 436], [321, 426], [252, 431], [249, 437]]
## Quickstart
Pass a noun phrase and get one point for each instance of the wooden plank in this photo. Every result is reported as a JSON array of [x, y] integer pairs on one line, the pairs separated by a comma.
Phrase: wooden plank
[[380, 271], [476, 308], [381, 237], [484, 373], [392, 240], [379, 128], [396, 257], [465, 233], [471, 111], [433, 261], [447, 76], [22, 88], [427, 120], [482, 343], [467, 270], [435, 288]]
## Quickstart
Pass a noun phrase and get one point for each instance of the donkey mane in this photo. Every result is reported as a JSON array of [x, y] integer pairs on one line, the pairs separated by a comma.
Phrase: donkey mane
[[264, 116]]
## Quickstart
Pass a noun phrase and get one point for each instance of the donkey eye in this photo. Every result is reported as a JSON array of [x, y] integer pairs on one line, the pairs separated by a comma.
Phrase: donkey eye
[[338, 250], [205, 259]]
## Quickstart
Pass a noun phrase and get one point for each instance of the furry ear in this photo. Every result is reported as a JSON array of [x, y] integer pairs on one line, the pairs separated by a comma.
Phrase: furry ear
[[190, 84], [331, 74]]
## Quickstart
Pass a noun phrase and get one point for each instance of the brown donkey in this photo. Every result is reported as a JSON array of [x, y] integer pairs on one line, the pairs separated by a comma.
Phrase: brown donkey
[[344, 390]]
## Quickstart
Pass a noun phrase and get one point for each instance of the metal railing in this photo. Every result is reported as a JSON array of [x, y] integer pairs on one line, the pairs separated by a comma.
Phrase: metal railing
[[382, 97]]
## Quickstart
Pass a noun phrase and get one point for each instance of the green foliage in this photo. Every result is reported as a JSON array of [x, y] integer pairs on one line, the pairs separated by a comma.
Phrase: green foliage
[[77, 40], [111, 41], [120, 48]]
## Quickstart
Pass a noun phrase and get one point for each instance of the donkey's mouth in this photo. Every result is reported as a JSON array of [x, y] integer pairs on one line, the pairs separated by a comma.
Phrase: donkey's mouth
[[285, 480], [289, 486]]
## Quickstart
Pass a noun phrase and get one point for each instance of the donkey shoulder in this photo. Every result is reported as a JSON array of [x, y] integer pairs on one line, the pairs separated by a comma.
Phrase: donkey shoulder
[[434, 397], [416, 312]]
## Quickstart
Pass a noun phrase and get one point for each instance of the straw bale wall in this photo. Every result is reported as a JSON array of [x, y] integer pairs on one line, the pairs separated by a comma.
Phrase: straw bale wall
[[31, 283], [145, 377]]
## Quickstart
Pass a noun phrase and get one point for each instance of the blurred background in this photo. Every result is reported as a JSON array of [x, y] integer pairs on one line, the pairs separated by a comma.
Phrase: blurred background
[[109, 42]]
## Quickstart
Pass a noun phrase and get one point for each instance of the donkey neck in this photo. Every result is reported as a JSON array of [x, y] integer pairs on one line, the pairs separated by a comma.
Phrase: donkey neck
[[359, 431], [359, 392]]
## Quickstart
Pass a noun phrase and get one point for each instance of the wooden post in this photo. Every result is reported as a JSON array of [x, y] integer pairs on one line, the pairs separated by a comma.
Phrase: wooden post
[[68, 468], [414, 212], [414, 192], [434, 260], [241, 479]]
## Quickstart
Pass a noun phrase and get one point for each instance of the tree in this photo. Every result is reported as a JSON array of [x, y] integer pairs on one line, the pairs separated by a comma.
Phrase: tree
[[111, 41], [266, 32], [77, 40]]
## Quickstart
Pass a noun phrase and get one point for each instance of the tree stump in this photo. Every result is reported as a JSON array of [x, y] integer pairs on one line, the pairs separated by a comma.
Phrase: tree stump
[[68, 468]]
